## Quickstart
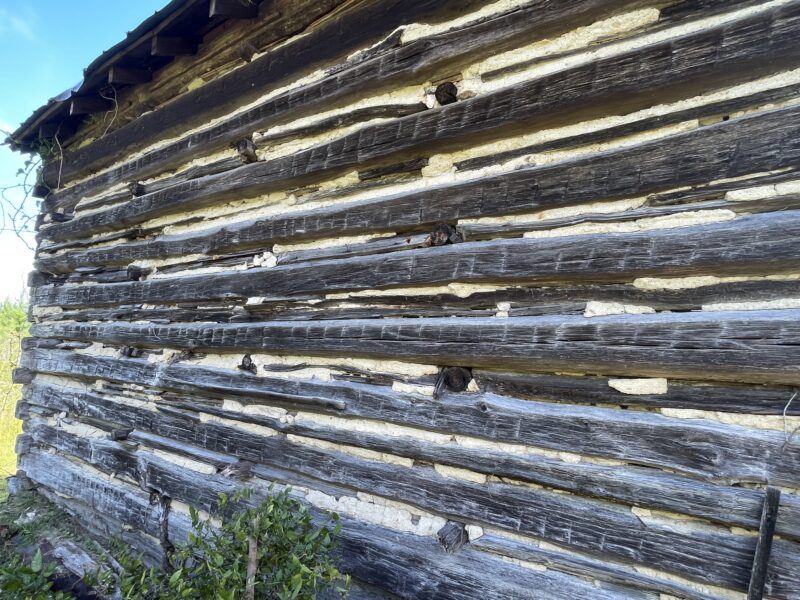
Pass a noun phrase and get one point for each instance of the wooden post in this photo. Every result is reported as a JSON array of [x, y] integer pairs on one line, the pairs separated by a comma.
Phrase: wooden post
[[769, 515]]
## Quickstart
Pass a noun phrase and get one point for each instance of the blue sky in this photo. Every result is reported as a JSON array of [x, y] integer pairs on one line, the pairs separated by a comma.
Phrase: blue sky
[[44, 47]]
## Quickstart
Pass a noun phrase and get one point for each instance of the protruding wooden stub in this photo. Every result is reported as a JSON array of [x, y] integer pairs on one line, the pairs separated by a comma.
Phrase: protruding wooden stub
[[247, 151], [247, 364], [58, 217], [769, 515], [120, 434], [241, 470], [131, 352], [135, 273], [137, 188], [163, 45], [128, 75], [84, 105], [233, 9], [452, 536], [446, 93], [22, 376], [443, 234], [455, 379]]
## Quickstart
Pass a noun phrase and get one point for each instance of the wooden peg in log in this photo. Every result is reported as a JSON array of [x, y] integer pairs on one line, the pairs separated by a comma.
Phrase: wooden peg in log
[[135, 273], [120, 434], [131, 352], [247, 364], [443, 234], [452, 536], [454, 379], [247, 151], [22, 376], [446, 93], [137, 188]]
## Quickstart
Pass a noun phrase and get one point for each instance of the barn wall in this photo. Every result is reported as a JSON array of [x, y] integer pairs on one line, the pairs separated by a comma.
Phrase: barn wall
[[557, 309]]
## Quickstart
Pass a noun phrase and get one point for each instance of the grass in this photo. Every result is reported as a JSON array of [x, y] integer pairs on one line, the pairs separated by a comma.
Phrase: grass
[[13, 327]]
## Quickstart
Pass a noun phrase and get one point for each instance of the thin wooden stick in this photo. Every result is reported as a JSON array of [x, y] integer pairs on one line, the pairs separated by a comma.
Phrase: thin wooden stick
[[769, 515]]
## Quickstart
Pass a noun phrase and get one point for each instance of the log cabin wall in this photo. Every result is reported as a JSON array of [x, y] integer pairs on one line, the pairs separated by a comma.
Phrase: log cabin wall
[[511, 286]]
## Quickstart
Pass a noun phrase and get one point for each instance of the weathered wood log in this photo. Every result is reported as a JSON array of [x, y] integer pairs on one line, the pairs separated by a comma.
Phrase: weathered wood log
[[734, 346], [769, 515], [628, 485], [616, 83], [346, 31], [373, 554], [592, 527], [452, 536], [740, 146], [749, 399], [618, 257], [524, 301]]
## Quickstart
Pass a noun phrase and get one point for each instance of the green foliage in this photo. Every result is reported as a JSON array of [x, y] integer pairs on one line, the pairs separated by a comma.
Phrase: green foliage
[[293, 556], [19, 581], [13, 327]]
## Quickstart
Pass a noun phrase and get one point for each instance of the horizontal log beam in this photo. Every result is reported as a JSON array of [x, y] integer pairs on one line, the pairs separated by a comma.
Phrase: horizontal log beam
[[340, 34], [676, 252], [734, 506], [582, 524], [700, 448], [373, 554]]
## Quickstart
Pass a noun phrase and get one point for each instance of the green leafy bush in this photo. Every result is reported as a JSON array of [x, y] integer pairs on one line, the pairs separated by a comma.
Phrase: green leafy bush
[[19, 581], [290, 556]]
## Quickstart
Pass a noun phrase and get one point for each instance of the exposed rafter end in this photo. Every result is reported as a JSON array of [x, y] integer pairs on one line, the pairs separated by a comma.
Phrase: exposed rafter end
[[233, 9], [84, 105], [128, 75], [163, 45]]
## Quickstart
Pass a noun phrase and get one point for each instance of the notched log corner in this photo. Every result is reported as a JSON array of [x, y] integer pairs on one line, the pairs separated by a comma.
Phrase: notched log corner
[[452, 536]]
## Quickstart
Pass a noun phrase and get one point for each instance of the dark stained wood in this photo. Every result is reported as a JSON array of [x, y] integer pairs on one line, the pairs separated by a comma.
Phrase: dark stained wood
[[674, 252], [621, 83], [702, 449], [164, 45], [347, 30], [758, 575], [233, 9], [749, 399], [373, 554], [84, 105], [128, 75], [580, 523], [742, 146], [730, 346]]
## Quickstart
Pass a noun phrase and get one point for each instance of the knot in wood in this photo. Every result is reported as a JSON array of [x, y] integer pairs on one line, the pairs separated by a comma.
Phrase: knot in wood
[[442, 235], [446, 93]]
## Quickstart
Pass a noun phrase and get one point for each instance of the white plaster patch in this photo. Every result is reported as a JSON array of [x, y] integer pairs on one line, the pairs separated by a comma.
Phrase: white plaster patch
[[596, 308], [331, 242], [184, 462], [655, 385], [770, 422], [474, 532], [778, 303], [463, 474], [412, 388], [696, 281], [249, 427]]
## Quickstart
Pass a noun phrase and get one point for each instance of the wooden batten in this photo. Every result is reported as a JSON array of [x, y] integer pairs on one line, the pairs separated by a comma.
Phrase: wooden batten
[[514, 288]]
